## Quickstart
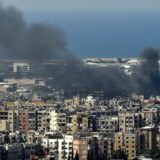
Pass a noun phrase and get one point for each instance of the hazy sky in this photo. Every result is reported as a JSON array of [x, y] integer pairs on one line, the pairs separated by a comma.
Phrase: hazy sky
[[84, 4], [99, 27]]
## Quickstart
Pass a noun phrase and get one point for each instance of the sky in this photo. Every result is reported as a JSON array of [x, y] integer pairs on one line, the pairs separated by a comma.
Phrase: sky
[[83, 4], [99, 28]]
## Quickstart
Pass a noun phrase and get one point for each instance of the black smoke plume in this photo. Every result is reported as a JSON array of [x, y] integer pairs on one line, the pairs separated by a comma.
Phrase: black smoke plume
[[40, 41], [112, 81], [19, 40], [78, 78], [147, 76]]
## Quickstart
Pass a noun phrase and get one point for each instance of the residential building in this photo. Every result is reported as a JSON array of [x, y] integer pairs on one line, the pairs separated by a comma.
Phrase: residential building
[[107, 124], [57, 121], [127, 142], [80, 149]]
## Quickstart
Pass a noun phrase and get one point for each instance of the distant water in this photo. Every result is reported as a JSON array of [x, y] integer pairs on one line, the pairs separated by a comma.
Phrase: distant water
[[105, 33]]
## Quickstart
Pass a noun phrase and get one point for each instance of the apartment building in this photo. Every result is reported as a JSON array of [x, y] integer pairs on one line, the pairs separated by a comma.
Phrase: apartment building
[[127, 142], [43, 120], [79, 123], [24, 121], [32, 120], [150, 116], [107, 124], [68, 146], [3, 114], [11, 117], [80, 149], [57, 121], [59, 146], [28, 121], [148, 137], [129, 121], [4, 125]]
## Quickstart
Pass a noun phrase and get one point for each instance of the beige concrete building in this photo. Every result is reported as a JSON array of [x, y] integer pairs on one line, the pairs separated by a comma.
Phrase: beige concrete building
[[127, 142], [57, 121], [80, 149], [107, 124], [43, 119], [12, 116], [150, 116], [129, 121], [79, 123], [4, 125]]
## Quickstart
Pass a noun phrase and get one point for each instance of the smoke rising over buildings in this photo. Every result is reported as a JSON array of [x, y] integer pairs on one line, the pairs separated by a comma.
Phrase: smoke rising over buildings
[[19, 40], [147, 74], [40, 41], [112, 80]]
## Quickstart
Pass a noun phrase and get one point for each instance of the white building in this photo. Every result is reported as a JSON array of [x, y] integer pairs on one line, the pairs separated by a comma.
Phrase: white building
[[60, 146], [90, 101], [68, 145], [21, 67]]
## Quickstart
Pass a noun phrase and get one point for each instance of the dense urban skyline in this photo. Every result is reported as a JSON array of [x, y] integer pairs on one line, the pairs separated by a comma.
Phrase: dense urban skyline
[[56, 104]]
